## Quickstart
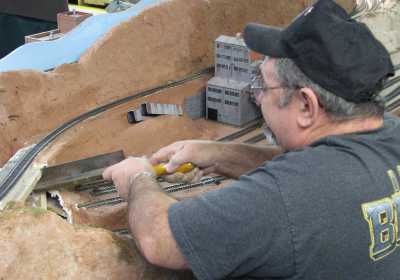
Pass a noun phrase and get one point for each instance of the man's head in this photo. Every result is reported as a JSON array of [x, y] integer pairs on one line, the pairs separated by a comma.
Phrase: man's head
[[326, 55]]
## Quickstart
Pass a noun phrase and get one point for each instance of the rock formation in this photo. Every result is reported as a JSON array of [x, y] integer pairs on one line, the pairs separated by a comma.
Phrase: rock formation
[[36, 244]]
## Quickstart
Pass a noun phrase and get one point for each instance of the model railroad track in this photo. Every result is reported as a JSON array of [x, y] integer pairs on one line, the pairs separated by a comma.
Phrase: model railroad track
[[8, 182], [102, 187], [168, 189], [18, 170], [108, 187], [250, 127]]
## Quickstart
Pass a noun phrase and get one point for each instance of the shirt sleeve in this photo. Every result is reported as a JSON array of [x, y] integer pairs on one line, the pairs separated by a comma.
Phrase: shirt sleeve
[[241, 229]]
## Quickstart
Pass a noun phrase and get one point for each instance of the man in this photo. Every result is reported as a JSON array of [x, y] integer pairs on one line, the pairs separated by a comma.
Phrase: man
[[327, 207]]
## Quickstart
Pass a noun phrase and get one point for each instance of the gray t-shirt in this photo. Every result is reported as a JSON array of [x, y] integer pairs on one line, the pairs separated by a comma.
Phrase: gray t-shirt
[[328, 211]]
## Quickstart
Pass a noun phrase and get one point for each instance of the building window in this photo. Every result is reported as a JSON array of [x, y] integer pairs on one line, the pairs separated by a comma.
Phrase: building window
[[237, 49], [216, 90], [240, 69], [232, 93], [239, 59], [227, 57], [212, 99], [232, 103], [223, 66]]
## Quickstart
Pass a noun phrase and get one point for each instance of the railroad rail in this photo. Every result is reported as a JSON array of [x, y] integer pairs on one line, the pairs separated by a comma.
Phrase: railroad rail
[[105, 187], [18, 170], [8, 182], [169, 189]]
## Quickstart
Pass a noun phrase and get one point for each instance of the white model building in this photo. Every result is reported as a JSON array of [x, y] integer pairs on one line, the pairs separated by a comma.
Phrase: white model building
[[228, 93]]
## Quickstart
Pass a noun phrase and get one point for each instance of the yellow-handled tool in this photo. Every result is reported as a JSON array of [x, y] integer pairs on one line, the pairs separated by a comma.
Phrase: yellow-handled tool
[[161, 170]]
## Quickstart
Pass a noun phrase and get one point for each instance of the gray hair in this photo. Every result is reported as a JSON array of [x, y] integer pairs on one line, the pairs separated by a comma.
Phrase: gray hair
[[337, 108]]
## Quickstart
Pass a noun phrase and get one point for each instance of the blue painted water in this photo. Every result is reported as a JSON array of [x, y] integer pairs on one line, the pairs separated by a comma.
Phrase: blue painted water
[[48, 55]]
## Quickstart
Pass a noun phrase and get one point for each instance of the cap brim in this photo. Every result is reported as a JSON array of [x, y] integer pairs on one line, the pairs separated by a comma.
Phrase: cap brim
[[264, 39]]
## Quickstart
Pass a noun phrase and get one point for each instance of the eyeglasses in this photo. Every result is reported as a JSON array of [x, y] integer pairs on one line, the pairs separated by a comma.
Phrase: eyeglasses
[[257, 84]]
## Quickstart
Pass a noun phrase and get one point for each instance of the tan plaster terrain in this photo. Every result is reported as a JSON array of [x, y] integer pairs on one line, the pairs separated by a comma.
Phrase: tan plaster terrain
[[163, 43], [36, 244], [111, 131], [114, 217]]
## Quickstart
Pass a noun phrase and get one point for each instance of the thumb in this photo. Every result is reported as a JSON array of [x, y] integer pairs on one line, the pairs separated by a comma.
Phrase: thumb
[[171, 166], [107, 173], [174, 162]]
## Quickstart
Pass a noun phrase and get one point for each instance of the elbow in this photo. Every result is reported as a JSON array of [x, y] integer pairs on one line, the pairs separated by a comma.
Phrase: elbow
[[150, 250], [157, 251]]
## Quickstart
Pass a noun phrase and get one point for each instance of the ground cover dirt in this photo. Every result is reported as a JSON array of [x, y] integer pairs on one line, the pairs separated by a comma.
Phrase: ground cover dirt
[[37, 244], [111, 131], [163, 43]]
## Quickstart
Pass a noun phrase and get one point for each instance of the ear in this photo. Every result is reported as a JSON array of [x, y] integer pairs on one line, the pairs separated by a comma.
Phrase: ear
[[308, 108]]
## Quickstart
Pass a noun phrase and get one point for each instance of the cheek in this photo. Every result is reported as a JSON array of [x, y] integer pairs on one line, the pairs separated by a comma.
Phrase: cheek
[[258, 97], [267, 112], [264, 112]]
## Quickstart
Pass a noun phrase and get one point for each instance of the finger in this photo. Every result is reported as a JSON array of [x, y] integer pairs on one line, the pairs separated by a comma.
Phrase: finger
[[191, 176], [188, 177], [164, 154], [118, 185], [208, 170], [198, 176], [107, 173], [177, 160], [173, 178], [171, 166]]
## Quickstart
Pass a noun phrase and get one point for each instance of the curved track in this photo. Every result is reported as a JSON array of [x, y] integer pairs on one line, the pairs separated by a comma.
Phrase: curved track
[[18, 170]]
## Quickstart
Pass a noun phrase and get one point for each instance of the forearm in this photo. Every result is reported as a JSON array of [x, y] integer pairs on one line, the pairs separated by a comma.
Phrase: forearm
[[235, 159], [228, 159], [148, 221]]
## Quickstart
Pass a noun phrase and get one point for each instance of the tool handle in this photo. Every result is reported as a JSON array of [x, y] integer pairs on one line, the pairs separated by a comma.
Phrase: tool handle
[[161, 170]]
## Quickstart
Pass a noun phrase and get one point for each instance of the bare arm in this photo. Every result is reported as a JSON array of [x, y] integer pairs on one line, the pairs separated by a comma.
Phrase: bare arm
[[147, 211], [148, 205], [228, 159], [148, 221], [236, 159]]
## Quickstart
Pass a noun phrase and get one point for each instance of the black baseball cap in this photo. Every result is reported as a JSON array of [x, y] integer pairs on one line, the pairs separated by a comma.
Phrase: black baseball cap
[[333, 50]]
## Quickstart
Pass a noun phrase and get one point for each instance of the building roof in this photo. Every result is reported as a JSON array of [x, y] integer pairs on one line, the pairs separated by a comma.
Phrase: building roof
[[231, 40], [226, 83]]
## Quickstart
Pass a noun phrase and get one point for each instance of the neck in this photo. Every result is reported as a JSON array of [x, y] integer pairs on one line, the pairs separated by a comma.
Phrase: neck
[[330, 128]]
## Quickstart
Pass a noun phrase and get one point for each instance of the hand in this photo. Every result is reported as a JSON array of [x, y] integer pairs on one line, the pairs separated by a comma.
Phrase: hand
[[190, 177], [203, 154], [122, 172]]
